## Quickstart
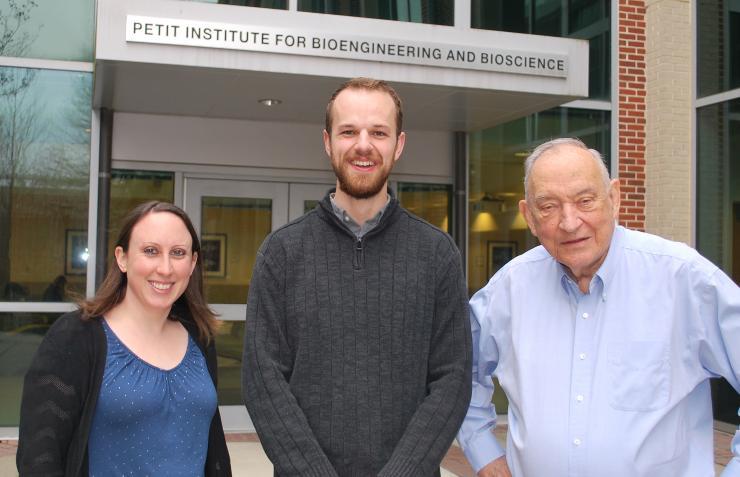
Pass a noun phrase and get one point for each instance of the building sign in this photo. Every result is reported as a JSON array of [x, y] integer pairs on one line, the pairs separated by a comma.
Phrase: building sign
[[171, 31]]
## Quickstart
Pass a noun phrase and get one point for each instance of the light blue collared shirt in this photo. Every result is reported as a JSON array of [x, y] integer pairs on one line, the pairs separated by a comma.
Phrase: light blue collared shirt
[[614, 382]]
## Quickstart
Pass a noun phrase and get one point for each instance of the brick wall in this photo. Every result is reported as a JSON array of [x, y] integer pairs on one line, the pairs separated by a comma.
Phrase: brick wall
[[632, 92]]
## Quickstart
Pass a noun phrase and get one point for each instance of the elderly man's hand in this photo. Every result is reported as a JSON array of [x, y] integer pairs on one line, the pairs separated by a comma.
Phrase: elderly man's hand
[[497, 468]]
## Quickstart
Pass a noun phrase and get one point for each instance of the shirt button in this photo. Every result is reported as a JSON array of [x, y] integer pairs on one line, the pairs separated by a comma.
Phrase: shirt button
[[584, 316], [576, 441], [579, 398], [582, 356]]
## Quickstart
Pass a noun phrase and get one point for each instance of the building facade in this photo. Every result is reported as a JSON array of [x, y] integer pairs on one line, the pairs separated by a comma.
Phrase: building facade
[[219, 107]]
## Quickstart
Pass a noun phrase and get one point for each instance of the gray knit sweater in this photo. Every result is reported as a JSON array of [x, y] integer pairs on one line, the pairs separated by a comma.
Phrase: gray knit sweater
[[357, 353]]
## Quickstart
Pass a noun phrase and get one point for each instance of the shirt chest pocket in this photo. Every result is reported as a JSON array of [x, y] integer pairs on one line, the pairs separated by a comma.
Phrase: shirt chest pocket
[[639, 375]]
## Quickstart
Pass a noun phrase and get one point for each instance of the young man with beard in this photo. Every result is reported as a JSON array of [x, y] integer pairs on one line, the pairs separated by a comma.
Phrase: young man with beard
[[357, 342]]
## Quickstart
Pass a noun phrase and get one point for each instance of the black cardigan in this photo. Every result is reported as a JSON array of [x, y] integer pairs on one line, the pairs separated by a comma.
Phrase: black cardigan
[[60, 392]]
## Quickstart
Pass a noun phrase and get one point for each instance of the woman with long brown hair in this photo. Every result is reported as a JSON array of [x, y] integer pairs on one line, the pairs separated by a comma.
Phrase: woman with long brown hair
[[126, 385]]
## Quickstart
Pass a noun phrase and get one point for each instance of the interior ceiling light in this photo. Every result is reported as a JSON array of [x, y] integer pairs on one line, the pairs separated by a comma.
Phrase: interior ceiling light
[[269, 102]]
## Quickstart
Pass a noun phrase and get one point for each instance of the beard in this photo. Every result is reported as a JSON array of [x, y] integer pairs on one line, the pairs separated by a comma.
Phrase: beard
[[359, 186]]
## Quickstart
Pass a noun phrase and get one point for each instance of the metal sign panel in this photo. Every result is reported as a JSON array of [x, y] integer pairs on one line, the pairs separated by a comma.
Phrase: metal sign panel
[[169, 31]]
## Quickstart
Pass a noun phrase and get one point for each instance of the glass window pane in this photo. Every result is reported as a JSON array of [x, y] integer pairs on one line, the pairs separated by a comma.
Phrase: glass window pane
[[44, 176], [431, 202], [547, 17], [437, 12], [47, 29], [20, 336], [718, 185], [584, 13], [582, 19], [229, 347], [497, 231], [309, 205], [718, 46], [718, 211], [232, 230], [131, 188], [278, 4], [503, 15]]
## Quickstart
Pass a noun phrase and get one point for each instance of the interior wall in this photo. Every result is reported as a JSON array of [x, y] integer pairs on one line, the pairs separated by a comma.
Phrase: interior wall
[[281, 145]]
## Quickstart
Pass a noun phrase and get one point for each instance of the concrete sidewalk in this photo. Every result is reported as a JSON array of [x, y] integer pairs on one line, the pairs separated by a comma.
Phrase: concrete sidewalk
[[249, 460]]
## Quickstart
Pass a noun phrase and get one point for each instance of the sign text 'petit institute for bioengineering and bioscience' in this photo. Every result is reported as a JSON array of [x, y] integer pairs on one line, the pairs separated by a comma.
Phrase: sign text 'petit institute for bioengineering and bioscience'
[[333, 45]]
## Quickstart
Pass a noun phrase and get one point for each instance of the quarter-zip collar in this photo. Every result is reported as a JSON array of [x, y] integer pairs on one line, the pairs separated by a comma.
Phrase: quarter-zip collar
[[357, 229], [389, 215]]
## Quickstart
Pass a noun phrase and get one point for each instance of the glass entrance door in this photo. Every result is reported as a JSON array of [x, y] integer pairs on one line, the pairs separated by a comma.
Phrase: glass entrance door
[[232, 218], [304, 197]]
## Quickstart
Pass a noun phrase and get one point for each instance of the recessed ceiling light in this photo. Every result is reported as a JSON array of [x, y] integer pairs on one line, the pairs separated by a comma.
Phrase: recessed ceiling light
[[269, 102]]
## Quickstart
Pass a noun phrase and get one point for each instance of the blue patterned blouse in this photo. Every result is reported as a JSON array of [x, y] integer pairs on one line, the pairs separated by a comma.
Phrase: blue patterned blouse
[[150, 421]]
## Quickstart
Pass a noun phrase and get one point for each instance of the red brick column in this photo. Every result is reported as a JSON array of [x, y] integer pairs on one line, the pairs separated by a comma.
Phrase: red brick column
[[631, 51]]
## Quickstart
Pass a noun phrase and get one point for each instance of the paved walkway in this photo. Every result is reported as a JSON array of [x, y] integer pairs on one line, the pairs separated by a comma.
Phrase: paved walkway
[[249, 460]]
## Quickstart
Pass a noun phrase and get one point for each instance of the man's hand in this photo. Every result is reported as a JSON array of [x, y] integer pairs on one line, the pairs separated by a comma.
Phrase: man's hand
[[497, 468]]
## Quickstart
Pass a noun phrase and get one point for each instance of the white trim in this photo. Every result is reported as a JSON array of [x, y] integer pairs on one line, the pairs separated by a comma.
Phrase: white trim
[[235, 418], [714, 98], [179, 189], [462, 14], [325, 43], [292, 5], [227, 312], [614, 78], [36, 307], [589, 104], [307, 176], [298, 194], [46, 64], [92, 213], [9, 433], [112, 50]]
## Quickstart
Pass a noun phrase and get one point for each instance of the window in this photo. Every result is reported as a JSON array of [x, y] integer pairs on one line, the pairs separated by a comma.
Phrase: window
[[44, 175], [20, 336], [431, 202], [583, 19], [718, 46], [129, 189], [718, 211], [718, 185], [437, 12], [498, 231], [496, 181], [278, 4], [48, 30]]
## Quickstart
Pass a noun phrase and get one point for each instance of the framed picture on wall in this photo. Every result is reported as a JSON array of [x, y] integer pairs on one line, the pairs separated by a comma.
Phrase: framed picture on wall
[[213, 255], [75, 252], [499, 253]]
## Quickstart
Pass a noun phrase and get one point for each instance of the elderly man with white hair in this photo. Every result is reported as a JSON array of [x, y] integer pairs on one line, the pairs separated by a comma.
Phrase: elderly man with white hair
[[603, 339]]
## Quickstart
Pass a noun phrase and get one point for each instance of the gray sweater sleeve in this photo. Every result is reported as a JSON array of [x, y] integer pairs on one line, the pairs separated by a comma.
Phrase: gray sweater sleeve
[[436, 421], [268, 362]]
